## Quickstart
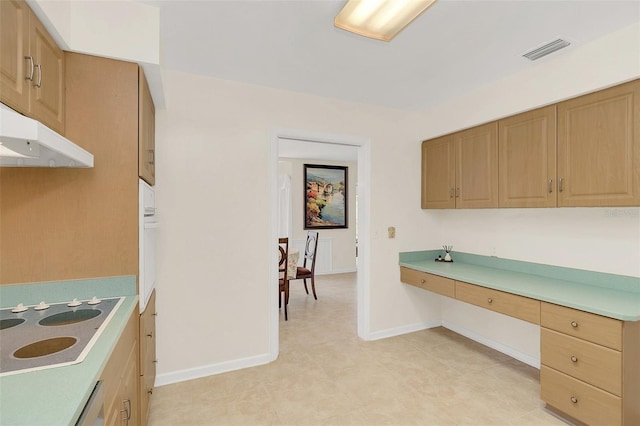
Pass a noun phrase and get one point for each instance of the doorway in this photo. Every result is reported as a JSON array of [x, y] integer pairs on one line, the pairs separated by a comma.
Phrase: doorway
[[308, 142]]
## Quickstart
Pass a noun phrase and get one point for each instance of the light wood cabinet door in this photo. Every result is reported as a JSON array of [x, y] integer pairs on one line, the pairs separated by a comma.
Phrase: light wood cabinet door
[[599, 148], [513, 305], [434, 283], [591, 363], [438, 173], [47, 91], [31, 66], [147, 131], [527, 159], [14, 47], [120, 377], [578, 399], [476, 152], [147, 356]]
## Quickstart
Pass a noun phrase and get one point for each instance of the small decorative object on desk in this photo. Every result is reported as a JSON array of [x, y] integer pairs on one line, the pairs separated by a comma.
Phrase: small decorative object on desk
[[447, 257]]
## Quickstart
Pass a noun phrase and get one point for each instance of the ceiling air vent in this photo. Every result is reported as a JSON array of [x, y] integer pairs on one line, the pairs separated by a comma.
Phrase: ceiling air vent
[[546, 49]]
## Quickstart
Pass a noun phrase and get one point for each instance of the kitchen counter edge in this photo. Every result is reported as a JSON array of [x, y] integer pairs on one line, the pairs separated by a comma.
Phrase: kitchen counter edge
[[610, 295]]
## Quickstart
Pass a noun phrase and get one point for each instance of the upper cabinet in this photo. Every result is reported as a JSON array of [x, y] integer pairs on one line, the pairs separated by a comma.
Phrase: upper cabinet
[[438, 173], [599, 148], [581, 152], [527, 147], [146, 131], [477, 167], [31, 66], [461, 170]]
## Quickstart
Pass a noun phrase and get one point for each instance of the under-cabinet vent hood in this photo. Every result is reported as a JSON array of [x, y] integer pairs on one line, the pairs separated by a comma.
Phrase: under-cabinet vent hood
[[25, 142]]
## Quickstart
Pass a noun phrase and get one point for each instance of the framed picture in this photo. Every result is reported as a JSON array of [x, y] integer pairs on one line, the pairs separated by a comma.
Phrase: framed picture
[[325, 197]]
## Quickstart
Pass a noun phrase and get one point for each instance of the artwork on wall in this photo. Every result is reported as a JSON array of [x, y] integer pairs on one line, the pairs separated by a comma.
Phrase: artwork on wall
[[325, 197]]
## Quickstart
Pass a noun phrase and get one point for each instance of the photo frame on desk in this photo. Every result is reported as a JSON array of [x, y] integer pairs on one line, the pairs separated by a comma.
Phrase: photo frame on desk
[[325, 197]]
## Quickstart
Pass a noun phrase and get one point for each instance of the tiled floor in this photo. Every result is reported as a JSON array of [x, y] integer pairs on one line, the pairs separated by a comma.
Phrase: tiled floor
[[325, 375]]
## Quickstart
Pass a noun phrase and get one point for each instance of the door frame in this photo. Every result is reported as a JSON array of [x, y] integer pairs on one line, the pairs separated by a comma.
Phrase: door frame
[[363, 261]]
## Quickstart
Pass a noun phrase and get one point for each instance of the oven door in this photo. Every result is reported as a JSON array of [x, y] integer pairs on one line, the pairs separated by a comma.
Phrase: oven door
[[148, 225]]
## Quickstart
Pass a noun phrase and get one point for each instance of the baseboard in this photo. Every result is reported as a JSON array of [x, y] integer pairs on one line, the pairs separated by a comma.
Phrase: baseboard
[[391, 332], [211, 369], [527, 359], [337, 271]]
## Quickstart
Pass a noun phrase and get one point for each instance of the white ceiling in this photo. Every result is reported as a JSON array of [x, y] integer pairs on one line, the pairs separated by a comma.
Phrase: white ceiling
[[454, 47]]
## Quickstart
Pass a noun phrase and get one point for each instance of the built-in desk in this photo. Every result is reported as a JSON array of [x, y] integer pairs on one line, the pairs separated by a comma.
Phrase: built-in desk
[[590, 325]]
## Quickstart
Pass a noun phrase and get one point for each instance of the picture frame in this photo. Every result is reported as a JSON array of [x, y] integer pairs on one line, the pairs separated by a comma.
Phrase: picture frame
[[325, 198]]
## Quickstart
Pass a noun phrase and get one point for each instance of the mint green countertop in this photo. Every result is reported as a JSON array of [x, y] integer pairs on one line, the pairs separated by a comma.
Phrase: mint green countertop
[[56, 396], [614, 296]]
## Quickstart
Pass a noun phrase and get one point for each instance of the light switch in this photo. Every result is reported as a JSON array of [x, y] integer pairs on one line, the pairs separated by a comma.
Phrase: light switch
[[392, 232]]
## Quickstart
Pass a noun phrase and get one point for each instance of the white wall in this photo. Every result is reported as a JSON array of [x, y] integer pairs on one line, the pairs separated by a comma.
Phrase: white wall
[[343, 241], [213, 143], [213, 167], [597, 239]]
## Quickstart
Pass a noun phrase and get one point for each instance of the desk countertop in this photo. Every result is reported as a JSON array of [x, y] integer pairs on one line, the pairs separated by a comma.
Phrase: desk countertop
[[610, 295]]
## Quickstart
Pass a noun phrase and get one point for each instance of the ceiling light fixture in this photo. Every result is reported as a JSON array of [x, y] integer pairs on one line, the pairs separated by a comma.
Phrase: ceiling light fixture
[[379, 19]]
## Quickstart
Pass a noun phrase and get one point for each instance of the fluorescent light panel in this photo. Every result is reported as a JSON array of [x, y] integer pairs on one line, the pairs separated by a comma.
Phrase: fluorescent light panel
[[379, 19]]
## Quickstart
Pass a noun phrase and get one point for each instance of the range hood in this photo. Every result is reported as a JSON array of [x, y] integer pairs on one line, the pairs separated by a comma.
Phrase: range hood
[[25, 142]]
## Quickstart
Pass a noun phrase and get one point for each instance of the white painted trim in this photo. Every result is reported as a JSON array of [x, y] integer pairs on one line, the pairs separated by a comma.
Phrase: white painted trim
[[211, 369], [338, 271], [364, 212], [527, 359], [392, 332]]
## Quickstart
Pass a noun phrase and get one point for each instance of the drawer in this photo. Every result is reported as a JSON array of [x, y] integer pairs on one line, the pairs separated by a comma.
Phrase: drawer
[[591, 363], [594, 328], [578, 399], [506, 303], [434, 283]]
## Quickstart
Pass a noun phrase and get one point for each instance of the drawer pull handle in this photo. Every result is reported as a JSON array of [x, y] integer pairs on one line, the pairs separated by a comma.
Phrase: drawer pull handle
[[574, 358], [490, 300], [422, 281], [574, 399], [574, 324]]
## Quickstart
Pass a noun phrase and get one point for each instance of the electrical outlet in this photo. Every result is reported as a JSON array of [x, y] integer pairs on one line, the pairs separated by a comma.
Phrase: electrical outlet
[[392, 232]]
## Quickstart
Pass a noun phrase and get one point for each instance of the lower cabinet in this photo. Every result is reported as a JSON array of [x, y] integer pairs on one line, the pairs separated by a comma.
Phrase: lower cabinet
[[120, 378], [434, 283], [590, 364], [147, 356], [513, 305], [590, 369]]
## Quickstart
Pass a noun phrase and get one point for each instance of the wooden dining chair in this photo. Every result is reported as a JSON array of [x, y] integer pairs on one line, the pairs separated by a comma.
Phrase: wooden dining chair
[[307, 270], [283, 282]]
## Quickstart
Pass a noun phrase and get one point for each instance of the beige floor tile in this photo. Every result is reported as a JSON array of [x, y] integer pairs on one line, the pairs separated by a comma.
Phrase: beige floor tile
[[325, 375]]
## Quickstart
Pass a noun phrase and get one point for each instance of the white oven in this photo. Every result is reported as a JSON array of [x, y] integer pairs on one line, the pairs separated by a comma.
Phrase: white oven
[[148, 229]]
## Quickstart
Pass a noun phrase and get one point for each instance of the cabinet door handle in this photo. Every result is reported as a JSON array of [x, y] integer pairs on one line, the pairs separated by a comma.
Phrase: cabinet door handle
[[550, 186], [574, 399], [574, 358], [457, 192], [152, 156], [150, 391], [561, 185], [155, 314], [451, 193], [574, 324], [39, 83], [150, 335], [422, 281], [30, 76], [490, 300], [126, 410]]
